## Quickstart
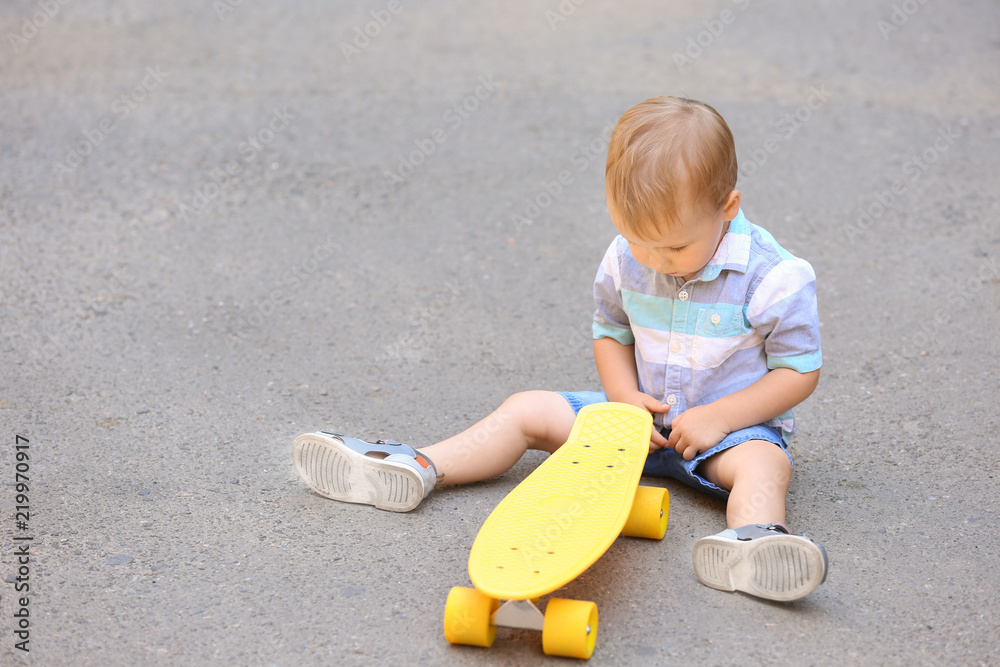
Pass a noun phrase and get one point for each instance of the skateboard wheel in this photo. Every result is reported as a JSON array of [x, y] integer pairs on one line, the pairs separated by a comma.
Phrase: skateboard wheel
[[649, 514], [467, 617], [570, 628]]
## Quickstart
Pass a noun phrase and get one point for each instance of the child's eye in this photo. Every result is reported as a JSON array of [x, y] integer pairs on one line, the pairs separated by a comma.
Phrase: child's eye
[[679, 249]]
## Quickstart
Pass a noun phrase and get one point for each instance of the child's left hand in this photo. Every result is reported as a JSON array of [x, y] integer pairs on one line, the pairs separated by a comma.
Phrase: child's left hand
[[696, 430]]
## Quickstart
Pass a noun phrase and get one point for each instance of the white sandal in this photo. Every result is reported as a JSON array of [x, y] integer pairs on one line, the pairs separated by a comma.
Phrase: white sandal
[[387, 474], [764, 561]]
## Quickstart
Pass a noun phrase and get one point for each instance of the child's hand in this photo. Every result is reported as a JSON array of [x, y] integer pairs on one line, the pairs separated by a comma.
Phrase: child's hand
[[696, 430], [650, 404]]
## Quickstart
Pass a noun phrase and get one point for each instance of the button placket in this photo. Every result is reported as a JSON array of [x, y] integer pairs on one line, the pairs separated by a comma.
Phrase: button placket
[[678, 325]]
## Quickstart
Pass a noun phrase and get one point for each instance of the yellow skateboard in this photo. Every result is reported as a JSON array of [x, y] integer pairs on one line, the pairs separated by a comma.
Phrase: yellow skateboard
[[553, 526]]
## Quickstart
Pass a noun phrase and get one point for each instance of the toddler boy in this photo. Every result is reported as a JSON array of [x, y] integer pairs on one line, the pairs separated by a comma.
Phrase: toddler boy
[[702, 319]]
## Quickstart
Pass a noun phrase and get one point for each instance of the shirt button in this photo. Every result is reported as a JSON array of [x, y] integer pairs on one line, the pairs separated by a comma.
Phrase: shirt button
[[671, 400], [675, 347], [715, 318], [683, 295]]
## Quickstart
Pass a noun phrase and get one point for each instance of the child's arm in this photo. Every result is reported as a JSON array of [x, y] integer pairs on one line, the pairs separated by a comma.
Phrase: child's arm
[[702, 427], [616, 368]]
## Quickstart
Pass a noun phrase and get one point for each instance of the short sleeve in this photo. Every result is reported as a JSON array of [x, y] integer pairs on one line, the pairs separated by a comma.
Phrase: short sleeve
[[783, 310], [610, 318]]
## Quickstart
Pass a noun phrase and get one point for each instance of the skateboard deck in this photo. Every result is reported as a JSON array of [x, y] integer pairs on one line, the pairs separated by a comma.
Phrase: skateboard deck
[[558, 522]]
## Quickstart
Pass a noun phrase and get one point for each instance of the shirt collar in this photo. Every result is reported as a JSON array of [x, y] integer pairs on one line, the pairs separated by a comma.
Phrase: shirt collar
[[733, 253]]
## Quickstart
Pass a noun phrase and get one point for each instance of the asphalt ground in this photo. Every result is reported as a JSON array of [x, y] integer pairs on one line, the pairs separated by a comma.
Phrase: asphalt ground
[[226, 223]]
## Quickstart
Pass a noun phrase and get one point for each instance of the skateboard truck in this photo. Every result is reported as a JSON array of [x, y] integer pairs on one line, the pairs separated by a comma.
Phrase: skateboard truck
[[523, 614]]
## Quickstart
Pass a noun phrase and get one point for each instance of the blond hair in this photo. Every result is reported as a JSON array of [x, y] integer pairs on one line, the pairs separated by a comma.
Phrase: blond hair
[[664, 152]]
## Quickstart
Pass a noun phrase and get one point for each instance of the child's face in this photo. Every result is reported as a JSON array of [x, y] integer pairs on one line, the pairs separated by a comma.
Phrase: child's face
[[682, 249]]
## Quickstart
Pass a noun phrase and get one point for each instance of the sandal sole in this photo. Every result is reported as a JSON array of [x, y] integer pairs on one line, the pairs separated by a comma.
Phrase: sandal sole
[[335, 471], [778, 567]]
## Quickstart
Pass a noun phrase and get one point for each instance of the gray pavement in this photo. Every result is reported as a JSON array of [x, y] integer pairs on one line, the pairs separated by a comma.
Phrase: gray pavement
[[225, 223]]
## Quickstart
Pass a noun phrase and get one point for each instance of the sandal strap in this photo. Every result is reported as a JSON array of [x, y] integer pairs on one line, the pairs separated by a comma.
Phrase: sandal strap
[[365, 447]]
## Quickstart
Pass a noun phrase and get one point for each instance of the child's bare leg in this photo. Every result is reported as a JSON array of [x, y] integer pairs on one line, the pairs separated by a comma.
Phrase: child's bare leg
[[757, 474], [528, 420], [393, 476]]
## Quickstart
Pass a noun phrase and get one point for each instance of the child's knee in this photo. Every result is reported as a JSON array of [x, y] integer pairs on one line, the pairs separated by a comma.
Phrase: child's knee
[[768, 460], [519, 404], [529, 402], [520, 410], [768, 478], [544, 417], [754, 461]]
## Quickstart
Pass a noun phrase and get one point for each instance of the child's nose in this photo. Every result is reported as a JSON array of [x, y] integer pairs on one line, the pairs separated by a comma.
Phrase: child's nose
[[662, 265]]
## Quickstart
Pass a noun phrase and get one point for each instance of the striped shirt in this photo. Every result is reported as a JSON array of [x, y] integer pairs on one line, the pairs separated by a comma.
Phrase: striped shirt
[[751, 309]]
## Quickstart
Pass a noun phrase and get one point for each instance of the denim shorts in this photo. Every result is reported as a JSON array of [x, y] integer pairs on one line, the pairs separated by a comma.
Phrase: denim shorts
[[666, 462]]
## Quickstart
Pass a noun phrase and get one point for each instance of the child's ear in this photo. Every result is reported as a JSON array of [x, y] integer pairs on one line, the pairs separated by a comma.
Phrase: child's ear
[[732, 205]]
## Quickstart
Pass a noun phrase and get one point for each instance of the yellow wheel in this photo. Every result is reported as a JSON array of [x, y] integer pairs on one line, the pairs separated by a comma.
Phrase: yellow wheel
[[467, 617], [650, 511], [570, 628]]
